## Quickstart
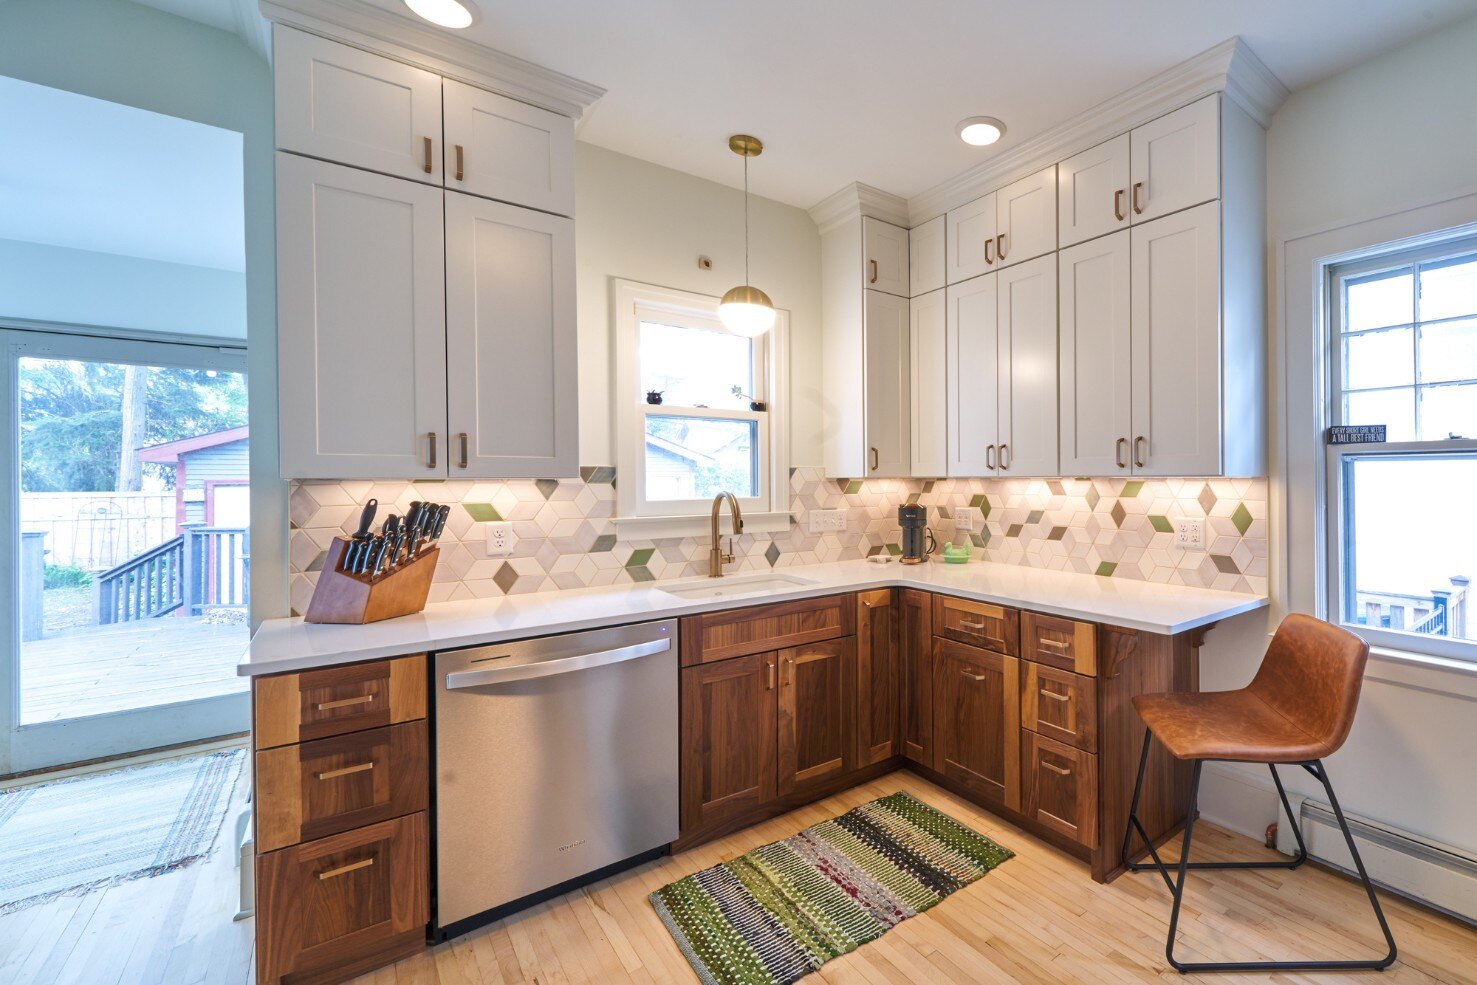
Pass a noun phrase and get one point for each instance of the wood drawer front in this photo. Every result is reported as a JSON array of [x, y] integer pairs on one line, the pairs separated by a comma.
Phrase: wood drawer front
[[1060, 784], [315, 704], [350, 901], [1062, 643], [720, 635], [319, 788], [1059, 705], [993, 627]]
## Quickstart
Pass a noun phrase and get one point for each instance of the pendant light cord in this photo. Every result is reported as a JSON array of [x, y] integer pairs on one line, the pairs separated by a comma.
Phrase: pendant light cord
[[746, 220]]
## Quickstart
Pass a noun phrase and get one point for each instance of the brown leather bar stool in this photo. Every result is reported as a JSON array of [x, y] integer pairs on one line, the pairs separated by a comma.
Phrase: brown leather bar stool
[[1296, 711]]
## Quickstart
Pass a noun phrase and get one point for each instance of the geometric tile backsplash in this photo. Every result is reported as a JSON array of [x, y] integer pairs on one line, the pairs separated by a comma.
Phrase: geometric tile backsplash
[[1114, 528]]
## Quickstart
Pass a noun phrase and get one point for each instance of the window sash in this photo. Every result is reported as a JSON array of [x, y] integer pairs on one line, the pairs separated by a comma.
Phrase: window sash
[[697, 507]]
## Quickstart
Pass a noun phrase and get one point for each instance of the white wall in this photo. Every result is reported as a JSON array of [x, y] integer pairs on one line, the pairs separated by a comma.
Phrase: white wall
[[1396, 132], [642, 222]]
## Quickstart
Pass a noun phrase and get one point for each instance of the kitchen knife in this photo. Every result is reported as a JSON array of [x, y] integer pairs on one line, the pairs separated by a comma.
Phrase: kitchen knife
[[347, 558], [377, 556], [412, 527], [440, 523], [366, 518]]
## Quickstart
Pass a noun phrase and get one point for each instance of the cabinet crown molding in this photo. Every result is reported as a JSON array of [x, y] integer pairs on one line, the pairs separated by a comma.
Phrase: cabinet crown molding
[[407, 40], [1230, 67], [856, 200]]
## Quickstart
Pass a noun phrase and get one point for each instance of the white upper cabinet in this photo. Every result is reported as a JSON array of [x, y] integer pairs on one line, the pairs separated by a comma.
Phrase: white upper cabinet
[[500, 148], [1177, 358], [926, 256], [930, 392], [343, 104], [970, 233], [1175, 161], [885, 257], [1027, 360], [973, 371], [361, 338], [888, 389], [1096, 372], [512, 396], [1092, 193], [1025, 218]]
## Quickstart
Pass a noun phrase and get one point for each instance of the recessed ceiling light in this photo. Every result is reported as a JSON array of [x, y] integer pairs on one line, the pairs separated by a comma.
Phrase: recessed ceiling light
[[445, 13], [981, 130]]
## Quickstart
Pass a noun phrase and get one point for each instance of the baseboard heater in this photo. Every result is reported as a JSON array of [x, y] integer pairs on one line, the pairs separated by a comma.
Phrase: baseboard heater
[[1429, 872]]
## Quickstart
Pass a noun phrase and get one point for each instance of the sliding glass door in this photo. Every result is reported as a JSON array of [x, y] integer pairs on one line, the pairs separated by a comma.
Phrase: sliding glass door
[[126, 501]]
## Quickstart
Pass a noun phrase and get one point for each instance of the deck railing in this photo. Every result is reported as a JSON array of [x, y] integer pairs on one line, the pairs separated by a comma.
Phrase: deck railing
[[216, 568], [203, 567]]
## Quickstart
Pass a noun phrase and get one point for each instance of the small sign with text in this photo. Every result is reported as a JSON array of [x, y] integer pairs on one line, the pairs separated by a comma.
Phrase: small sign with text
[[1357, 434]]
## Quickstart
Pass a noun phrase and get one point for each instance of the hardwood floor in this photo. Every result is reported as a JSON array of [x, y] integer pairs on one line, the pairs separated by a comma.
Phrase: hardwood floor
[[1037, 919]]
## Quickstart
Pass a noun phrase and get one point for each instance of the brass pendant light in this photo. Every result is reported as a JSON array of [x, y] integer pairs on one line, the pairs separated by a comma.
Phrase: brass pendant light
[[746, 310]]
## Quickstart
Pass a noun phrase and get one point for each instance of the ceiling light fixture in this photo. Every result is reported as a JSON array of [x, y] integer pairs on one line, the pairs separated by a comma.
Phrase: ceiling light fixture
[[746, 310], [981, 130], [455, 14]]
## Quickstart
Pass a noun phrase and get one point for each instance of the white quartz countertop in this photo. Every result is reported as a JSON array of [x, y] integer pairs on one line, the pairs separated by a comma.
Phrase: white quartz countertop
[[291, 644]]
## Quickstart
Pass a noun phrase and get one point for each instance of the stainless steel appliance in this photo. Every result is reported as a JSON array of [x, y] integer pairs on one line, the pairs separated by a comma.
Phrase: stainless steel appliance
[[918, 540], [555, 758]]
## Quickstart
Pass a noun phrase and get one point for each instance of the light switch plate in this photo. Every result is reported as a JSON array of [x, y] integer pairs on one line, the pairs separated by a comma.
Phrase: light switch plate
[[827, 521], [1189, 535], [500, 538]]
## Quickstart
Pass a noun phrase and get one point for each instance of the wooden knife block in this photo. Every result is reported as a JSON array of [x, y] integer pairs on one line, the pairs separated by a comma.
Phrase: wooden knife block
[[344, 597]]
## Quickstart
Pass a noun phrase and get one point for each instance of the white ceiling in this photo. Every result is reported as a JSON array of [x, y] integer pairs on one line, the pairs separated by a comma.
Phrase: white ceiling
[[114, 179], [240, 17]]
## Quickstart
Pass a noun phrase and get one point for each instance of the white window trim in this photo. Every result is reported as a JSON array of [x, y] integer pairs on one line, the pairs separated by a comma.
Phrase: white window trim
[[767, 513]]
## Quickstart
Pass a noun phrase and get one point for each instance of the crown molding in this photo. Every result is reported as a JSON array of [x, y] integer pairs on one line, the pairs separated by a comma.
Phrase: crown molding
[[856, 200], [415, 43], [1230, 67]]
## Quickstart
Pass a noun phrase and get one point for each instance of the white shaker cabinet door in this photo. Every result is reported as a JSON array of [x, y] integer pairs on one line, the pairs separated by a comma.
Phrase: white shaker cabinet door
[[885, 249], [970, 244], [500, 148], [343, 104], [926, 256], [930, 446], [1175, 161], [361, 324], [510, 342], [1092, 192], [1028, 369], [1096, 367], [973, 374], [1025, 218], [1176, 307], [888, 386]]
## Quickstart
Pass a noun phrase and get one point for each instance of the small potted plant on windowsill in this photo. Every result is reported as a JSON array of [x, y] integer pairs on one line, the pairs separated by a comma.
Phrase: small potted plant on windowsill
[[654, 396], [754, 405]]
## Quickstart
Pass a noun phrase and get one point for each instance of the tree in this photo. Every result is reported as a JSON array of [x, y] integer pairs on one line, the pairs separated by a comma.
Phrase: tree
[[135, 419]]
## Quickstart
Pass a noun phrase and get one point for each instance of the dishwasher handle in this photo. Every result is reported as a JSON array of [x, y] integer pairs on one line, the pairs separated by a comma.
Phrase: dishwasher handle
[[551, 668]]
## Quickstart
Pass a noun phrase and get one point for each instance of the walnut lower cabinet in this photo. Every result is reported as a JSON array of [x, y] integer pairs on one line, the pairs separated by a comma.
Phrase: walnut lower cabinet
[[877, 677], [915, 673], [729, 739], [976, 740], [816, 706]]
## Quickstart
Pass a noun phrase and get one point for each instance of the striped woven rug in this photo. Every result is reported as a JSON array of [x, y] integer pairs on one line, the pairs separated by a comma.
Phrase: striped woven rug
[[781, 911]]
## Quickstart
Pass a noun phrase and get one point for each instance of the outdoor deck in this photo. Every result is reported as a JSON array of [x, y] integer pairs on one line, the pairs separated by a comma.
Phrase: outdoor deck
[[129, 665]]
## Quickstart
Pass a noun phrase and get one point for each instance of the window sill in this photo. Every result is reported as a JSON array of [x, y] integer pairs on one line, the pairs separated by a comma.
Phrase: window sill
[[655, 527], [1422, 671]]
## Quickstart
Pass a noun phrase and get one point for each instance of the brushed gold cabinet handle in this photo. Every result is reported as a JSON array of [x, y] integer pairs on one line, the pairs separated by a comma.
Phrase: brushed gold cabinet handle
[[975, 677], [965, 624], [1139, 447], [427, 165], [1000, 246], [1120, 448], [346, 869], [1054, 644], [872, 279], [1053, 695], [458, 162], [990, 457], [989, 260], [1004, 458], [1137, 208], [432, 463], [463, 437], [346, 770], [876, 459], [1118, 204], [1056, 769], [363, 699], [769, 675]]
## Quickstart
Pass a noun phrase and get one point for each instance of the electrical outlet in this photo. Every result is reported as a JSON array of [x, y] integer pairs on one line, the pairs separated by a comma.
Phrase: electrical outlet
[[500, 538], [964, 521], [827, 521], [1189, 535]]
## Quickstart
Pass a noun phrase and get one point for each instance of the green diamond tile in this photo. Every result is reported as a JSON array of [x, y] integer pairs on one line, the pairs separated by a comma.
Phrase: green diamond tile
[[1057, 533], [978, 499], [894, 549], [1225, 565], [1242, 518], [1035, 516], [640, 573], [772, 554], [639, 557], [1132, 488], [853, 487], [505, 577], [1105, 569], [1161, 524], [603, 543], [1118, 513], [546, 487], [482, 512], [985, 507]]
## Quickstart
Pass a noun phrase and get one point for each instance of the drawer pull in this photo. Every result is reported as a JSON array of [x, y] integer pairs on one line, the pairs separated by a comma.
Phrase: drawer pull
[[966, 624], [1056, 769], [363, 863], [975, 677], [363, 699], [1054, 644], [345, 771], [1053, 695]]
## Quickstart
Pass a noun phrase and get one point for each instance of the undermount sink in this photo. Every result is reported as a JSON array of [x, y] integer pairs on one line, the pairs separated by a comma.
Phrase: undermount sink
[[721, 588]]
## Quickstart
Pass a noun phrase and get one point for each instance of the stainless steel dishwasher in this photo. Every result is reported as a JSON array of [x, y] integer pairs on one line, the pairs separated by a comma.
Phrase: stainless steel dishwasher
[[555, 759]]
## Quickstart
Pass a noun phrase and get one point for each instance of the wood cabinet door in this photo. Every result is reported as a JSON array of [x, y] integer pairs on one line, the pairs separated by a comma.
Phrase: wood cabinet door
[[500, 148], [970, 239], [973, 377], [888, 395], [926, 249], [1175, 267], [876, 677], [977, 730], [512, 388], [1025, 218], [817, 729], [1060, 787], [361, 324], [1175, 161], [1095, 359], [1092, 192], [1028, 369], [930, 390], [729, 732], [885, 254], [344, 104], [915, 673]]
